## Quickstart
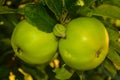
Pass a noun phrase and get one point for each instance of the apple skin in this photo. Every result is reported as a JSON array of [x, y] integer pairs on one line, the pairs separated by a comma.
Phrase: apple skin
[[32, 45], [86, 44]]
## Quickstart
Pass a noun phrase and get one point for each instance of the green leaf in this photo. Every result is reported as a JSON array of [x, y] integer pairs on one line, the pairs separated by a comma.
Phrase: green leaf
[[62, 73], [1, 2], [37, 15], [89, 2], [114, 52], [55, 6], [9, 21], [4, 72], [84, 11], [112, 2], [35, 73], [69, 3], [109, 67], [113, 56], [6, 10], [115, 45], [107, 10], [113, 33]]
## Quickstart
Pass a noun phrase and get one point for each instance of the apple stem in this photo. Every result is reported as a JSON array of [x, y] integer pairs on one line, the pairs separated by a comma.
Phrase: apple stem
[[81, 75]]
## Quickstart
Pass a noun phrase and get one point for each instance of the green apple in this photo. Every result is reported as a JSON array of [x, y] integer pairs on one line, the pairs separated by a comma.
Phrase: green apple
[[33, 45], [86, 43]]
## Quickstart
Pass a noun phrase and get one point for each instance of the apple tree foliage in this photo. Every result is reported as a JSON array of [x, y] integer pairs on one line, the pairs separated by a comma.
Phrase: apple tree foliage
[[48, 13]]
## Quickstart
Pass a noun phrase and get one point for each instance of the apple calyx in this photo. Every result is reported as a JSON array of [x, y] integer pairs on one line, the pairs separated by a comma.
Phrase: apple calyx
[[59, 30]]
